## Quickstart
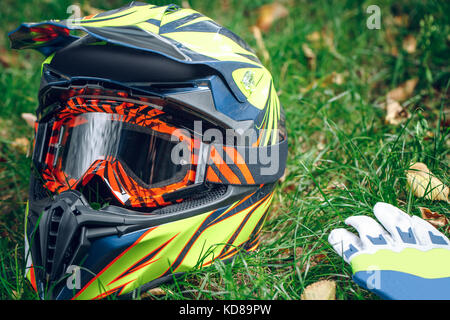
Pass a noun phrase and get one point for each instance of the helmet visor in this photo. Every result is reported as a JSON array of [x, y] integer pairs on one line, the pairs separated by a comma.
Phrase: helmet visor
[[145, 153]]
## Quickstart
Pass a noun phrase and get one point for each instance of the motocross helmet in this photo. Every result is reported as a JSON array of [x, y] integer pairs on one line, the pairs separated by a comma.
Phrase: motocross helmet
[[158, 143]]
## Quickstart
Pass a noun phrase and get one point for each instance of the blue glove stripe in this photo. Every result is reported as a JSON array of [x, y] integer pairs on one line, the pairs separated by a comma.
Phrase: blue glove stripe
[[350, 251], [407, 237], [395, 285], [377, 240], [436, 239]]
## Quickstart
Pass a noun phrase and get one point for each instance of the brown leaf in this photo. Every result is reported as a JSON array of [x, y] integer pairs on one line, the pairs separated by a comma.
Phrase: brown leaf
[[299, 251], [290, 187], [338, 78], [185, 4], [409, 44], [404, 91], [21, 144], [314, 36], [394, 51], [321, 290], [424, 184], [260, 42], [328, 39], [29, 118], [269, 13], [89, 10], [436, 219], [332, 78], [401, 21], [333, 185], [154, 292], [8, 58], [310, 55], [225, 5], [395, 113]]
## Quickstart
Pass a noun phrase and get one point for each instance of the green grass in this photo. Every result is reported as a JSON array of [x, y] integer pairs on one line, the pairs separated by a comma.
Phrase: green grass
[[337, 135]]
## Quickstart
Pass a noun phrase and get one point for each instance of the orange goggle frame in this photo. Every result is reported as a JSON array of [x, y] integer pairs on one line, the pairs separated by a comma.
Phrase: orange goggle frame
[[127, 189], [209, 163]]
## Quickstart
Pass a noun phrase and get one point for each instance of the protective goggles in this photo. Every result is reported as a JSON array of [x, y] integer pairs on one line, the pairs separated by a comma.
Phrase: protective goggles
[[125, 143], [137, 149]]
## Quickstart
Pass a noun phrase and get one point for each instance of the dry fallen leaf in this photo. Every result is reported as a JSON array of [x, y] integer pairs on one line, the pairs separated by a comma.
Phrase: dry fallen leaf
[[185, 4], [89, 10], [153, 292], [225, 5], [7, 58], [21, 144], [401, 21], [395, 113], [436, 219], [310, 55], [338, 78], [269, 13], [328, 39], [332, 78], [394, 51], [29, 118], [409, 44], [404, 91], [333, 185], [314, 36], [284, 254], [424, 184], [321, 290], [10, 58], [260, 42]]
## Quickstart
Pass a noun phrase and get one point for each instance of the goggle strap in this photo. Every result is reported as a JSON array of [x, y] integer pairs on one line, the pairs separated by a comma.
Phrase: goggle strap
[[246, 165]]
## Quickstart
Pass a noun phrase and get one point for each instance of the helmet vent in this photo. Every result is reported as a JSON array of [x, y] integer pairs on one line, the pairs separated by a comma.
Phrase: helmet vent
[[51, 239], [201, 199]]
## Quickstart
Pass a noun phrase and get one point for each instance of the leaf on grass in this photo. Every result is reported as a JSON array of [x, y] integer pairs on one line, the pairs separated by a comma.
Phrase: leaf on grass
[[269, 13], [21, 144], [314, 36], [409, 44], [225, 5], [310, 55], [260, 42], [395, 113], [29, 118], [324, 38], [394, 51], [185, 4], [424, 184], [89, 10], [321, 290], [328, 39], [404, 91], [335, 185], [401, 20], [9, 58], [154, 292], [326, 81], [283, 254], [436, 219]]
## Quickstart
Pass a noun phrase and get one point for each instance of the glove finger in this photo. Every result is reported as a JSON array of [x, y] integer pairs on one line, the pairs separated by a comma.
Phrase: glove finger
[[345, 243], [370, 231], [428, 235], [396, 222]]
